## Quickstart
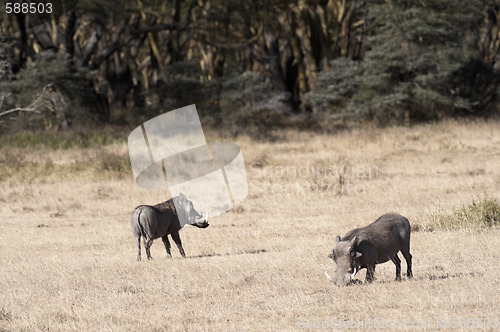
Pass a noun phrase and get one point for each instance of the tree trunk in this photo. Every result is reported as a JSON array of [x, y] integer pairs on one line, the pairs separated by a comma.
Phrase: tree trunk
[[42, 33], [346, 30], [326, 43], [304, 34], [6, 57], [173, 40], [92, 44], [290, 24], [21, 21], [69, 33], [489, 44], [275, 69]]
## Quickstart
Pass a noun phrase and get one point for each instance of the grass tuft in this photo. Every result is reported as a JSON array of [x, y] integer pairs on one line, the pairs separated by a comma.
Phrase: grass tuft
[[478, 214], [113, 162], [5, 315]]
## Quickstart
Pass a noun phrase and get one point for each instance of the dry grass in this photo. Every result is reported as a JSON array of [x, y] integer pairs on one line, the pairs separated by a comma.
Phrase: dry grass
[[67, 257]]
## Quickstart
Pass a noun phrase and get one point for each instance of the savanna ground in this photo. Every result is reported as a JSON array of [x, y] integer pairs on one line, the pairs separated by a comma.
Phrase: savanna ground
[[67, 257]]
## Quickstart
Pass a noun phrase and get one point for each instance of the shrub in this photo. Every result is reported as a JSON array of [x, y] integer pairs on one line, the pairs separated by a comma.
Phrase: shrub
[[479, 214]]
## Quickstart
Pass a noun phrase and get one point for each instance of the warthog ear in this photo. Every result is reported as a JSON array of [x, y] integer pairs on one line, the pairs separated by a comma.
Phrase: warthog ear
[[354, 253], [181, 199], [354, 242], [337, 239]]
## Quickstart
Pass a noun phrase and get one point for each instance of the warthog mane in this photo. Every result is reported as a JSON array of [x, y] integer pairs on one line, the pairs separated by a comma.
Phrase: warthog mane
[[167, 206]]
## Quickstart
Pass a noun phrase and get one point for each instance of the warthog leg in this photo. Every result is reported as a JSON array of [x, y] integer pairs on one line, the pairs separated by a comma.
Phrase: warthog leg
[[406, 254], [167, 245], [370, 272], [177, 240], [397, 262], [138, 241], [147, 244], [409, 274]]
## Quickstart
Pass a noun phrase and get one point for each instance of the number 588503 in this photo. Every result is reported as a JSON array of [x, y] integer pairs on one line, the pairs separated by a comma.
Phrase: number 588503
[[28, 8]]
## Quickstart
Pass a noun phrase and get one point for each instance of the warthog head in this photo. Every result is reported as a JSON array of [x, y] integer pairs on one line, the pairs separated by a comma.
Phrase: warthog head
[[347, 260], [193, 217]]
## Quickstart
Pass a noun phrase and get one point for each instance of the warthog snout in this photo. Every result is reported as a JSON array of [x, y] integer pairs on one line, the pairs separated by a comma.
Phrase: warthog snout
[[347, 260], [201, 222]]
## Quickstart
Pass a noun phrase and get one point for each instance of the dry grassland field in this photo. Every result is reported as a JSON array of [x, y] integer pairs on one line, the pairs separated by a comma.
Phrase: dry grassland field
[[68, 258]]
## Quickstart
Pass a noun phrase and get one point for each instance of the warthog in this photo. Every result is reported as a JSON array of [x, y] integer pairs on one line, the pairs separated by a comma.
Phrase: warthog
[[367, 246], [162, 219]]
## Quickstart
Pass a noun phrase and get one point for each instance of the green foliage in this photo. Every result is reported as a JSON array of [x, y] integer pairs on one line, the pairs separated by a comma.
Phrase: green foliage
[[480, 214], [60, 140], [335, 88], [184, 87], [474, 86], [417, 63], [61, 96], [414, 48], [248, 102]]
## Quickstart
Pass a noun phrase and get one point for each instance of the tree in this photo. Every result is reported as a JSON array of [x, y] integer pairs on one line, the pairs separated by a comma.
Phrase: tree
[[417, 53], [414, 47], [386, 60]]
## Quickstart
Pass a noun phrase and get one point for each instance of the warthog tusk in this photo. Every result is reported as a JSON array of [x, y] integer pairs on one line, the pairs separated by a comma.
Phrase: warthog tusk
[[206, 217], [326, 274], [354, 273]]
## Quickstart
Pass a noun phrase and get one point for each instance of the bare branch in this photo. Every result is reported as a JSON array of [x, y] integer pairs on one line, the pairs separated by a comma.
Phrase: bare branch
[[43, 100], [20, 109]]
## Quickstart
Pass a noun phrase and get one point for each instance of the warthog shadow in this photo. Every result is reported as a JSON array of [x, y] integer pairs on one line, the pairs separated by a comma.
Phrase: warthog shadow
[[430, 277], [244, 252], [455, 275]]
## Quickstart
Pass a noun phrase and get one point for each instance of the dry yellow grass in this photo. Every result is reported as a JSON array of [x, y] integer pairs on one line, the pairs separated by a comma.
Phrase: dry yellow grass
[[67, 257]]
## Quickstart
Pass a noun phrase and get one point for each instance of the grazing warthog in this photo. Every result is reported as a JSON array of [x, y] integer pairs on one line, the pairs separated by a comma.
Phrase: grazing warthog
[[367, 246], [162, 219]]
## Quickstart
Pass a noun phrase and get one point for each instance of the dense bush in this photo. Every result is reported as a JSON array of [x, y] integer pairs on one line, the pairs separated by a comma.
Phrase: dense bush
[[249, 103], [61, 96]]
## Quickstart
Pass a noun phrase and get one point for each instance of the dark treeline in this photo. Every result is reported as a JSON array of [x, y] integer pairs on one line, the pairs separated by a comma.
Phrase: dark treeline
[[254, 63]]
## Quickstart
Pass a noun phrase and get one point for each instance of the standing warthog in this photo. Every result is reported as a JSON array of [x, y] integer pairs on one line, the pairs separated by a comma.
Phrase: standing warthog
[[367, 246], [162, 219]]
